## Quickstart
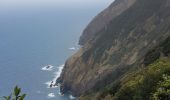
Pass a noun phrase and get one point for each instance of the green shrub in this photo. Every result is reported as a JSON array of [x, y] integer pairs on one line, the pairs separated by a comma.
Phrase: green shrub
[[163, 89], [141, 85], [16, 95]]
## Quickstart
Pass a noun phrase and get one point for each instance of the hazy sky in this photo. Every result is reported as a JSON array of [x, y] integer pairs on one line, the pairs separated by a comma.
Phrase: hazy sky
[[40, 3]]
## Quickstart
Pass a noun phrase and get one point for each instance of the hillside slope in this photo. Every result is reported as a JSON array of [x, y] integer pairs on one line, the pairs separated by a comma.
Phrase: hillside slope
[[122, 47], [104, 18], [144, 83]]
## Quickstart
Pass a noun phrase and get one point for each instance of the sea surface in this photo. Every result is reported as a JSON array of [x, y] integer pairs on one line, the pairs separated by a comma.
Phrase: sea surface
[[31, 39]]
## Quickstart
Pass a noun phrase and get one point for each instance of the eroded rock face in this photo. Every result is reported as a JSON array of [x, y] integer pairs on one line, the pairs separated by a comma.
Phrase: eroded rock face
[[102, 19], [120, 47]]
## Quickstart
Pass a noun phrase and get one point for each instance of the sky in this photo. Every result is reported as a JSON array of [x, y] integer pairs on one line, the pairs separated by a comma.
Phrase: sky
[[11, 4]]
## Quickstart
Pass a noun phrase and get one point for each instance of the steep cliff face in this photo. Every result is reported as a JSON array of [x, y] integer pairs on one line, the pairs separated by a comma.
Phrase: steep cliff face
[[104, 18], [118, 48], [142, 83]]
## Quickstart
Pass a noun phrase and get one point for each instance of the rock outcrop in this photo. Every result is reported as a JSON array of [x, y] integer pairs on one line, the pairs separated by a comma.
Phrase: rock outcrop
[[116, 47]]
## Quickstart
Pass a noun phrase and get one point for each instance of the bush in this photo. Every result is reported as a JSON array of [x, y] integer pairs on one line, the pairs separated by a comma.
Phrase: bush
[[163, 89], [16, 95]]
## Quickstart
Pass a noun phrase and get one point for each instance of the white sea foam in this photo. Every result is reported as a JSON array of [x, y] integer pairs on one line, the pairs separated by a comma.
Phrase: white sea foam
[[53, 83], [56, 75], [72, 48], [47, 68], [49, 83], [58, 72], [60, 94], [51, 95], [75, 48], [71, 97]]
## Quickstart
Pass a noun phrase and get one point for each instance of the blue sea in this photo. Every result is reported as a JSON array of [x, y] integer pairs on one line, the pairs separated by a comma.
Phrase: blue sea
[[33, 38]]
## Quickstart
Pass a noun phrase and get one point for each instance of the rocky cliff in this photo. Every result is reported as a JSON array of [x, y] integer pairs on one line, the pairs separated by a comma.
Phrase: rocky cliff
[[128, 41], [104, 18]]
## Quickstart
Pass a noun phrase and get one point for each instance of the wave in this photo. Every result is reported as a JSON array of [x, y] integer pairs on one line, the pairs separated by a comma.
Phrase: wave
[[58, 72], [72, 48], [51, 95], [52, 83], [47, 68], [60, 94], [75, 48], [71, 97]]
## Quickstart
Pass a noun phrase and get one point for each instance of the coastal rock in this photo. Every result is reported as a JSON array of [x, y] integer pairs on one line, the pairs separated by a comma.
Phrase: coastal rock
[[121, 47]]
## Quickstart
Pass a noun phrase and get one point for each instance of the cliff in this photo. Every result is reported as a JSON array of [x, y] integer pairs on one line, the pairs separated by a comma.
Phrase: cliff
[[128, 42], [104, 18]]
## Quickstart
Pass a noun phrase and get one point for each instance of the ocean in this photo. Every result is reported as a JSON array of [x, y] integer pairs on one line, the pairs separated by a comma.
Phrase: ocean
[[31, 39]]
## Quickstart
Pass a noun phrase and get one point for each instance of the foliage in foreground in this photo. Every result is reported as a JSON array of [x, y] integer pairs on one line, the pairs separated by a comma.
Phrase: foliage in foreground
[[16, 95]]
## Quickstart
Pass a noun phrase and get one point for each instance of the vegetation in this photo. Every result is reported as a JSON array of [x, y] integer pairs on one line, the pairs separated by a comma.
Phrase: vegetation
[[141, 85], [163, 89], [149, 83], [154, 54], [16, 95]]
